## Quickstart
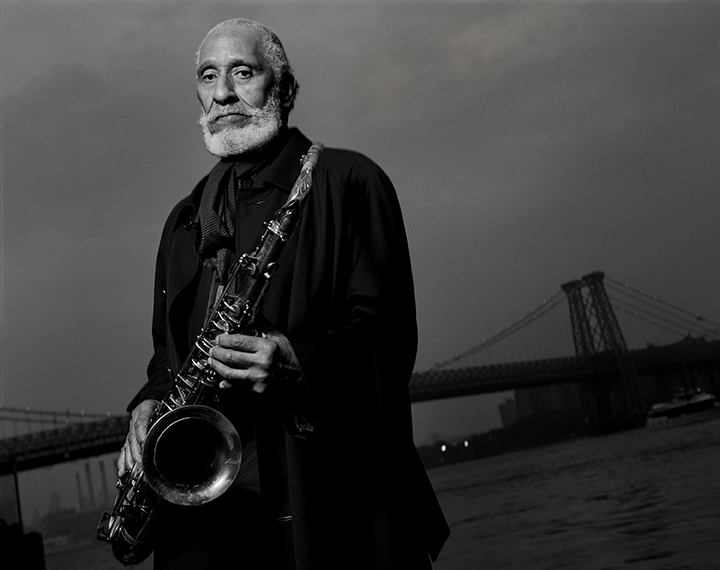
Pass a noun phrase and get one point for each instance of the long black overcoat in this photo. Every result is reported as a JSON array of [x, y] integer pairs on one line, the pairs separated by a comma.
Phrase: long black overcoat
[[343, 295]]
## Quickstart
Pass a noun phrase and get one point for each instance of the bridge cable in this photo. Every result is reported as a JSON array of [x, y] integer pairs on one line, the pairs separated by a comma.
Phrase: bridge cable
[[544, 307], [682, 318], [682, 327], [643, 318], [696, 316], [684, 324]]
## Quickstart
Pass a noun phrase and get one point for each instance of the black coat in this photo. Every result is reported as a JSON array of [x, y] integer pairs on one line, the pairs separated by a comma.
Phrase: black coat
[[343, 295]]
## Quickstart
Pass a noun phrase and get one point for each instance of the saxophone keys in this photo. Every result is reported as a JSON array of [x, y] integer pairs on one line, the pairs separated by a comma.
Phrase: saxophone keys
[[222, 325], [204, 345], [185, 381]]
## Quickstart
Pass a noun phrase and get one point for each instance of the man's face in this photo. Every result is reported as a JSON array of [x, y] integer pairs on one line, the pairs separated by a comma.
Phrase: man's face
[[236, 88]]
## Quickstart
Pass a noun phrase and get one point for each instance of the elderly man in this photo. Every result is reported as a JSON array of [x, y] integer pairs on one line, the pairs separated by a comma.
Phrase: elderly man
[[330, 477]]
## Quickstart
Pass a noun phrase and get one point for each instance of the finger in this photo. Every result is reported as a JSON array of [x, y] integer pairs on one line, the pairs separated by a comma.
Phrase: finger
[[121, 462], [237, 342], [141, 428], [129, 463], [140, 421], [262, 355], [134, 447], [232, 358], [233, 374]]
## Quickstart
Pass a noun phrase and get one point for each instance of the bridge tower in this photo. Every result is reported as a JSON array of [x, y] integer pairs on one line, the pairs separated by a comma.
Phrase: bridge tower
[[594, 325], [596, 331]]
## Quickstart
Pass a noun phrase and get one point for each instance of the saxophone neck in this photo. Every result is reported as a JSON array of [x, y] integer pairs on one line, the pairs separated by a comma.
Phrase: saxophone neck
[[302, 185]]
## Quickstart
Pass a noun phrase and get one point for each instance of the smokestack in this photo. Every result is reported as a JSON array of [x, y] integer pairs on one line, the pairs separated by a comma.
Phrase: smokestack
[[103, 478], [91, 493], [80, 495]]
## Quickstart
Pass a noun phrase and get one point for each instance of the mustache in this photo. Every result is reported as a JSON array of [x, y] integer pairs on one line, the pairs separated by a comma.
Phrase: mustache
[[217, 112], [239, 107]]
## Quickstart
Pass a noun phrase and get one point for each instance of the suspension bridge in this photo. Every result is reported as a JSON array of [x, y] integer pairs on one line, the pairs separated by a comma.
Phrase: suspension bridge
[[592, 352]]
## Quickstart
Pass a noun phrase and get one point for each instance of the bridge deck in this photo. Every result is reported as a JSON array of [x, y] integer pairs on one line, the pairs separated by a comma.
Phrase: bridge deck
[[76, 441], [438, 384]]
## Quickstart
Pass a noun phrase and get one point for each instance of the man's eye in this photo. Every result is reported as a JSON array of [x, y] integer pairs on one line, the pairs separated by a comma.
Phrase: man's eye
[[208, 77], [243, 73]]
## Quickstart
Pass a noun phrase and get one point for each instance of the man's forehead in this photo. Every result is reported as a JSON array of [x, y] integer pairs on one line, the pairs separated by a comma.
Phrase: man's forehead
[[236, 42]]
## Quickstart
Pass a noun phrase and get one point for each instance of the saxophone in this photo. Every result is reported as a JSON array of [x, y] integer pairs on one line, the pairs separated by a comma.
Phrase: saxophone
[[185, 419]]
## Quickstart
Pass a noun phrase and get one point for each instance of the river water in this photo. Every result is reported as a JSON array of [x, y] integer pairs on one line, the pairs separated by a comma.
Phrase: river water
[[640, 500], [636, 500]]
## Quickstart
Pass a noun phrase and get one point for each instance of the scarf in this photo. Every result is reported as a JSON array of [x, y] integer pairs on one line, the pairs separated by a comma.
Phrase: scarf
[[216, 219]]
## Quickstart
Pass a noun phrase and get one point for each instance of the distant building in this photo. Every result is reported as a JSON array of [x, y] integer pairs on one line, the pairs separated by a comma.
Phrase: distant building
[[545, 399], [55, 505], [508, 412]]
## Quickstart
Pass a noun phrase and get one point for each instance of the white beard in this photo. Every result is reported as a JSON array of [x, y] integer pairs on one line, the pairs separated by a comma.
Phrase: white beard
[[263, 126]]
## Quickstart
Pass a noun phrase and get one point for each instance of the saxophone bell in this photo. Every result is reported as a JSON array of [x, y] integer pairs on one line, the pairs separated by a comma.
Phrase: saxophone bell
[[191, 455]]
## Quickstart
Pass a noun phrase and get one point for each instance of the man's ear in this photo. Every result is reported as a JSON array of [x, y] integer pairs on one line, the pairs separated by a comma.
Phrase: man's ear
[[288, 91]]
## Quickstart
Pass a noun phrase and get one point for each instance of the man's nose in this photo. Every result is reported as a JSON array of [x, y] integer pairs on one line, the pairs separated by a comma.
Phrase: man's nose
[[224, 92]]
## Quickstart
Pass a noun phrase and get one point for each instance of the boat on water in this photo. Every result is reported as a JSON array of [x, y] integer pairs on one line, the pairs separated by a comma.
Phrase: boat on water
[[686, 406]]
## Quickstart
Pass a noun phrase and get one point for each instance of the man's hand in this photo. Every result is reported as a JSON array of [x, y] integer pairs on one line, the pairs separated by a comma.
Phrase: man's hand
[[131, 452], [242, 358]]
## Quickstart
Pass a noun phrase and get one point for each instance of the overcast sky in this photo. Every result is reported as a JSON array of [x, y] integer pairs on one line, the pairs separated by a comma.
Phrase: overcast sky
[[530, 143]]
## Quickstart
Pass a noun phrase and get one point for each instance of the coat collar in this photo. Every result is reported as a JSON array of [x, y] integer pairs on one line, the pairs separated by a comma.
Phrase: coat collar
[[285, 168], [282, 172]]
